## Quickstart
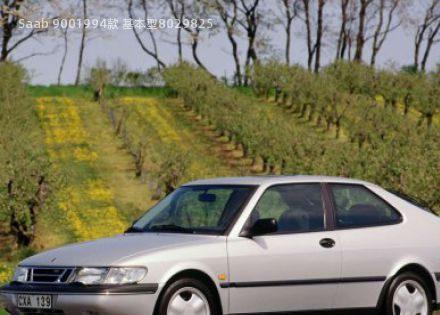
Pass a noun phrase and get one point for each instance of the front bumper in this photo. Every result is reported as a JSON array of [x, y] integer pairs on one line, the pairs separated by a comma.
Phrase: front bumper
[[71, 299]]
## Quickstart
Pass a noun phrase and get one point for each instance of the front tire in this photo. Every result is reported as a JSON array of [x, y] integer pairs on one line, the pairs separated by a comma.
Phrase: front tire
[[408, 295], [188, 296]]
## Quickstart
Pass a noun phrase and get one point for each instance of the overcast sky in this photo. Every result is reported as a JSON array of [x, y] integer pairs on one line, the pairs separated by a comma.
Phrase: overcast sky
[[213, 51]]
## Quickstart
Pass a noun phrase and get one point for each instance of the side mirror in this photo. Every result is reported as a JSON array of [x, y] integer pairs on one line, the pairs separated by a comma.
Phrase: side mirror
[[261, 227]]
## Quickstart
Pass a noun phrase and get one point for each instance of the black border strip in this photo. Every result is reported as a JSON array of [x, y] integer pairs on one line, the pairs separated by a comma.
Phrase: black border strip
[[342, 311], [77, 289], [330, 220], [283, 283]]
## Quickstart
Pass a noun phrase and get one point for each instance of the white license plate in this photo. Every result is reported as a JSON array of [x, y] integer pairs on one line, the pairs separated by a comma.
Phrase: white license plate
[[37, 301]]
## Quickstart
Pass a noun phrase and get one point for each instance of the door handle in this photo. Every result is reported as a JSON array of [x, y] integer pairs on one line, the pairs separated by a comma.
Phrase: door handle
[[327, 242]]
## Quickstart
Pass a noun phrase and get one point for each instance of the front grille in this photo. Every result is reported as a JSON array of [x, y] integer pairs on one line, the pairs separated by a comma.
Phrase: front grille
[[49, 275], [32, 311]]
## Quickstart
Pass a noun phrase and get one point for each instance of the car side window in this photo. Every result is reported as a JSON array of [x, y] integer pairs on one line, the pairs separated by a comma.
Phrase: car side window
[[356, 206], [297, 207]]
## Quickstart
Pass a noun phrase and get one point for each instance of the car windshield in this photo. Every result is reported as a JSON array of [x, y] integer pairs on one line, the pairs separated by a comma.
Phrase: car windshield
[[195, 209]]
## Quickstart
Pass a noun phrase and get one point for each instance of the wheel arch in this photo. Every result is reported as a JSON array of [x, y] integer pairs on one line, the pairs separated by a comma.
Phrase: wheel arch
[[193, 274], [415, 268]]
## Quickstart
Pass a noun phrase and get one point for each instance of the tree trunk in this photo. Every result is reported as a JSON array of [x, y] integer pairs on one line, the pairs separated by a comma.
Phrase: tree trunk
[[284, 99], [9, 21], [238, 75], [250, 25], [303, 111], [328, 125], [265, 164], [229, 22], [194, 46], [378, 30], [288, 39], [429, 120], [18, 230], [360, 38], [429, 45], [430, 17], [63, 60], [251, 55], [311, 113], [179, 35], [7, 35], [380, 34], [82, 45], [338, 128], [417, 44], [406, 102], [179, 44], [342, 37], [154, 54], [290, 14], [290, 10], [310, 50], [24, 233], [319, 32]]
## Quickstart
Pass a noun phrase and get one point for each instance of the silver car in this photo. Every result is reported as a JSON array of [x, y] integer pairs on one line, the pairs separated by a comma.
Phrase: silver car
[[248, 245]]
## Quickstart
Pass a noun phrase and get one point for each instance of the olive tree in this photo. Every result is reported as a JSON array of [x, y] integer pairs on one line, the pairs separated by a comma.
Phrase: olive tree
[[24, 168]]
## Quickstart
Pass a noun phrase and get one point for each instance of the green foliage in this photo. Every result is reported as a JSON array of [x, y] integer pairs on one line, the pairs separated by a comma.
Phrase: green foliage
[[172, 165], [24, 167], [412, 69], [353, 77], [427, 92], [166, 164], [100, 76], [384, 146], [267, 76], [227, 110], [122, 76]]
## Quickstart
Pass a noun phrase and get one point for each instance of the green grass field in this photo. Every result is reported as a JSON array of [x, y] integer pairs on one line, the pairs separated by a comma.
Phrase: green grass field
[[85, 91]]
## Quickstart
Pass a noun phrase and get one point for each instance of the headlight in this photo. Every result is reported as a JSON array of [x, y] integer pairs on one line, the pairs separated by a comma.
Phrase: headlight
[[117, 275], [91, 275], [20, 274], [125, 275]]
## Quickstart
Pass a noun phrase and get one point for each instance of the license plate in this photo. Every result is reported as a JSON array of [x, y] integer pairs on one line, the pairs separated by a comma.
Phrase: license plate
[[37, 301]]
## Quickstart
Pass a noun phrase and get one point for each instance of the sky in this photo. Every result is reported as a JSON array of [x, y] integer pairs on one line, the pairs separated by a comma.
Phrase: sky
[[214, 51]]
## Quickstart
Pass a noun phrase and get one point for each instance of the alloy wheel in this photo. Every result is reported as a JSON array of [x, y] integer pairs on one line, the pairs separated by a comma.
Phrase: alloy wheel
[[188, 301], [410, 299]]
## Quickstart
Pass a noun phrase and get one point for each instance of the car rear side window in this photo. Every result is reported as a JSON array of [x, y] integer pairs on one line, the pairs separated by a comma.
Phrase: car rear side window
[[356, 206], [296, 207], [412, 200]]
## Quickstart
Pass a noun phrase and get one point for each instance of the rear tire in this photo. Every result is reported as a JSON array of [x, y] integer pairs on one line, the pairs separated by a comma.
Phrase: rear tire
[[408, 294], [188, 296]]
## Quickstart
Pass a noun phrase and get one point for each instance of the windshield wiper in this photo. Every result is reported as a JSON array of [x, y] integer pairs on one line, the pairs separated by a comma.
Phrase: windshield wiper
[[170, 228], [134, 229]]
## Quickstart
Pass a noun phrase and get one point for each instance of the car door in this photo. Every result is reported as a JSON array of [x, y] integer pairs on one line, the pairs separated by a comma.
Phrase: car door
[[367, 227], [296, 268]]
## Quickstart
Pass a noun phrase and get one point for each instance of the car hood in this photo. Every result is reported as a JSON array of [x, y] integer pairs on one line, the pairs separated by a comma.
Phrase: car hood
[[108, 251]]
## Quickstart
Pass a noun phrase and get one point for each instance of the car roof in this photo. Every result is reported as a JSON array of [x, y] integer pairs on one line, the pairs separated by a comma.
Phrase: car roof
[[273, 180]]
